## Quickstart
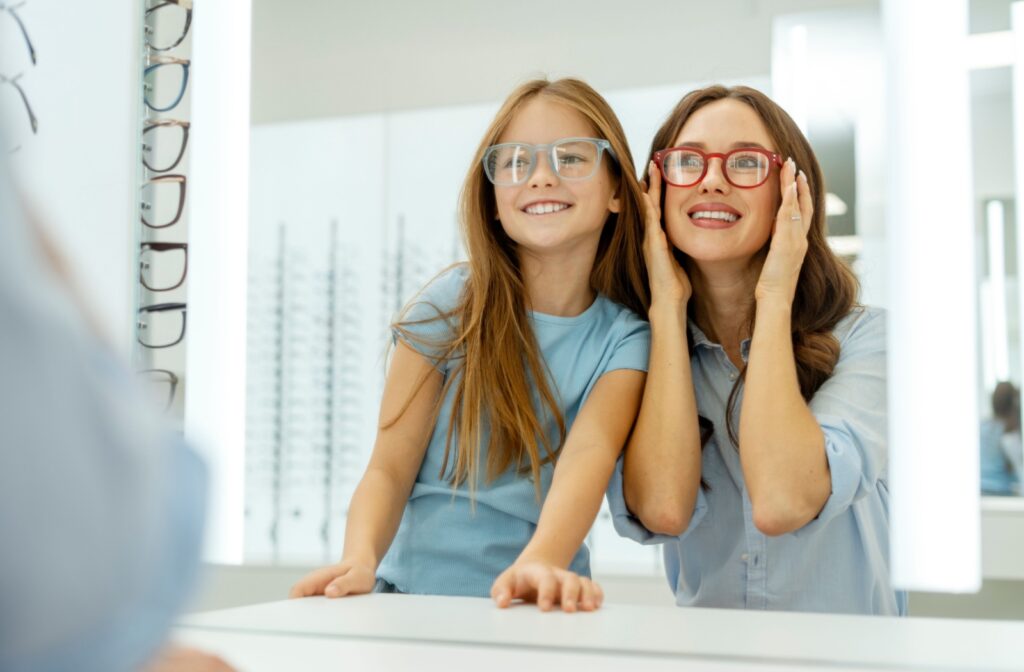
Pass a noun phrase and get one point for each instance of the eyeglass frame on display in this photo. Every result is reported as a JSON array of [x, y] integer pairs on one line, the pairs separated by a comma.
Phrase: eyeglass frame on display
[[4, 7], [163, 123], [33, 120], [156, 62], [163, 247], [184, 4], [169, 177], [159, 308], [601, 144], [173, 380], [661, 155]]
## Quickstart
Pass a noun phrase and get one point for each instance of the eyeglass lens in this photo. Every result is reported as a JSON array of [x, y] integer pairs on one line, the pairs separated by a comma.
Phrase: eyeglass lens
[[163, 200], [742, 168], [167, 24], [163, 144], [513, 163], [163, 266], [162, 384], [161, 325], [165, 85]]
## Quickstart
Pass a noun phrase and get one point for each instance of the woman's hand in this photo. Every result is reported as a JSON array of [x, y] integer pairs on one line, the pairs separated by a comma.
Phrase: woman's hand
[[546, 585], [345, 578], [669, 282], [781, 268]]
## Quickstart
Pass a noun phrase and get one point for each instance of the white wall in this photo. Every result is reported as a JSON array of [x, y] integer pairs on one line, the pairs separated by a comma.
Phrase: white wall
[[80, 171], [323, 58]]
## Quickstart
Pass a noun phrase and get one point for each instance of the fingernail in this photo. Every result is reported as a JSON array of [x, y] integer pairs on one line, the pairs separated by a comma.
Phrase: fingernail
[[803, 176]]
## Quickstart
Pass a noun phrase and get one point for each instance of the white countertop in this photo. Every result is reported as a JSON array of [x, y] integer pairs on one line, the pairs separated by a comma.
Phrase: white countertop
[[386, 630]]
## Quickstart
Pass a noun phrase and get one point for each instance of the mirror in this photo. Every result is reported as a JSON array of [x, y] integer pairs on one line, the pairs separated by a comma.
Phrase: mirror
[[344, 229]]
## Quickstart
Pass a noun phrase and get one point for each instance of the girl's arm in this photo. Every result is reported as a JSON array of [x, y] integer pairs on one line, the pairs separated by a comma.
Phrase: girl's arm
[[380, 498], [661, 469], [782, 446], [581, 476]]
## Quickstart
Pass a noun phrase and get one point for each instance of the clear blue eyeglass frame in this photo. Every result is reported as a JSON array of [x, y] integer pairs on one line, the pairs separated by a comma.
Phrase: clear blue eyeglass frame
[[601, 144], [157, 62]]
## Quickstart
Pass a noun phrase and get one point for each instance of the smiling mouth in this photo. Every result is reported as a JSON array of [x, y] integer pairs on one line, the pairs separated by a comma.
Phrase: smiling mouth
[[713, 219], [545, 208]]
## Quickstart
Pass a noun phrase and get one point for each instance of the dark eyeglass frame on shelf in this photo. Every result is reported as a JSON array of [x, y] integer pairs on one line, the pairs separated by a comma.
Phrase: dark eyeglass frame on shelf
[[161, 308], [13, 81], [156, 62], [185, 5], [160, 179], [165, 123], [10, 9], [163, 247], [172, 379]]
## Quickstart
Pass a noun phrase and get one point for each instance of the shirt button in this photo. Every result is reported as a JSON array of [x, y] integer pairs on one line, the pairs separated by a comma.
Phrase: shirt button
[[744, 557], [732, 376]]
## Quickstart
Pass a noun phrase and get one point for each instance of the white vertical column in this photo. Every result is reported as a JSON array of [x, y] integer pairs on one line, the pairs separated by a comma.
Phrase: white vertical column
[[933, 418], [1017, 25], [218, 262]]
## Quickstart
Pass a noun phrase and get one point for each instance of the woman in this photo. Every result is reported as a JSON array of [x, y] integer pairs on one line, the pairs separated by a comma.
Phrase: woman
[[759, 453]]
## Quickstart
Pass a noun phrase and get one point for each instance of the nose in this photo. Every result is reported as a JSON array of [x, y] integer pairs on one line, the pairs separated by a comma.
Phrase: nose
[[543, 174], [714, 179]]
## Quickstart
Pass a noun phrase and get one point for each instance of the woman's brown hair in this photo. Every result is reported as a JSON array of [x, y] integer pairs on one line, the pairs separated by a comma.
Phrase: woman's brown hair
[[497, 368], [827, 289]]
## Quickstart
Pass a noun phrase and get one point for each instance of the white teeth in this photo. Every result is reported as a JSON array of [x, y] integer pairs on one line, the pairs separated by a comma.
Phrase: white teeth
[[714, 214], [545, 208]]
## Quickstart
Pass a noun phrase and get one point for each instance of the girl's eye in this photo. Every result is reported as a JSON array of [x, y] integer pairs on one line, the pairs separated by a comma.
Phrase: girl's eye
[[571, 159]]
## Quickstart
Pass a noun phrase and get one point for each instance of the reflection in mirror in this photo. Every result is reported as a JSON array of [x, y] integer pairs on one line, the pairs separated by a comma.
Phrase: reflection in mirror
[[353, 209], [998, 284]]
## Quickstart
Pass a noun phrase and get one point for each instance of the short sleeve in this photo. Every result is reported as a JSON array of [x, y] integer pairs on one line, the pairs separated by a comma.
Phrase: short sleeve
[[630, 527], [424, 324], [633, 349], [851, 408]]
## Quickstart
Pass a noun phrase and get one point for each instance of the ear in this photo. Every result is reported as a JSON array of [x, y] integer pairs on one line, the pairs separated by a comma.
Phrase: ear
[[614, 203]]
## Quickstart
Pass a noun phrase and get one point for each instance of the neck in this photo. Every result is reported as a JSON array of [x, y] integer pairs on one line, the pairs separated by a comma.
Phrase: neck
[[558, 283], [724, 298]]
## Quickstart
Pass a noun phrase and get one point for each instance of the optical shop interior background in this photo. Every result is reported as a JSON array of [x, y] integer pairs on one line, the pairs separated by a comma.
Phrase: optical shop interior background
[[311, 169]]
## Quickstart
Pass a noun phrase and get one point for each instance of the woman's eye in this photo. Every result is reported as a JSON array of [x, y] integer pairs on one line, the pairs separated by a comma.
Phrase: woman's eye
[[571, 159]]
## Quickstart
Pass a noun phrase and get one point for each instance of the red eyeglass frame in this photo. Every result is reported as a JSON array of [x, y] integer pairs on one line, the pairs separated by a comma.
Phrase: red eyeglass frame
[[661, 154]]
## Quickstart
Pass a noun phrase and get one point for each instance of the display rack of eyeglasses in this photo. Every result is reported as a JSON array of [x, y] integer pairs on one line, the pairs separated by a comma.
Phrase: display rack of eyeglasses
[[161, 243], [19, 60], [317, 334]]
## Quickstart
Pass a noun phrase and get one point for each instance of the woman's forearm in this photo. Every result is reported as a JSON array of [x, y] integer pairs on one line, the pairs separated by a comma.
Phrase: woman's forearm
[[661, 474], [782, 447]]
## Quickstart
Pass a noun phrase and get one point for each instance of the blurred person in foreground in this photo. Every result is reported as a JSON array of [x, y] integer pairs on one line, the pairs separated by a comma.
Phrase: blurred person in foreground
[[101, 508]]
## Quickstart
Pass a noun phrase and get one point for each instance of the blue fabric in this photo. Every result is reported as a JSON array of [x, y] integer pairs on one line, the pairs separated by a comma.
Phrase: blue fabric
[[839, 562], [1000, 474], [446, 547], [101, 508]]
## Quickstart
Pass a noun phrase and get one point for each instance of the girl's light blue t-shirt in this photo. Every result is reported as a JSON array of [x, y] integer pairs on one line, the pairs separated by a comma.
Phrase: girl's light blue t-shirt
[[446, 545]]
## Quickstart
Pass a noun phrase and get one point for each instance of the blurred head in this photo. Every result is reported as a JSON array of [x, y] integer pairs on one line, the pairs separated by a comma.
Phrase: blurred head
[[1006, 405]]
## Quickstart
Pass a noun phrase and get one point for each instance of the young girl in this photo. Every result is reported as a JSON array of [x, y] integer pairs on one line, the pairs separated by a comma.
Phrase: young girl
[[759, 453], [516, 376]]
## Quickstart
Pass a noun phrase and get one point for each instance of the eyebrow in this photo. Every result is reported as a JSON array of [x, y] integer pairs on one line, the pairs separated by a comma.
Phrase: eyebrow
[[743, 144]]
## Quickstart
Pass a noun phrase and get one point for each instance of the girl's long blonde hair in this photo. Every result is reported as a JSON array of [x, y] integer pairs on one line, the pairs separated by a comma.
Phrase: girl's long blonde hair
[[497, 368]]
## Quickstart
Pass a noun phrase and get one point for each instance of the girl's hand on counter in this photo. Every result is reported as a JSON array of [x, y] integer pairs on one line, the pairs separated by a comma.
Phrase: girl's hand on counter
[[546, 585], [345, 578]]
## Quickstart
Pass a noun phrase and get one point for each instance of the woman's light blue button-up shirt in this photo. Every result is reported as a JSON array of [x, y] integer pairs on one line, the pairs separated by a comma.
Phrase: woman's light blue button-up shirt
[[839, 562]]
